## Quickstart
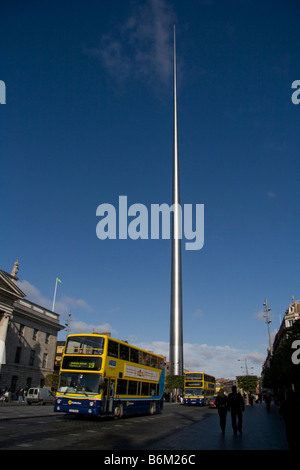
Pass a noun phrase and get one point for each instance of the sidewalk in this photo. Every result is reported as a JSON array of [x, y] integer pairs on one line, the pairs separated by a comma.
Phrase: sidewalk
[[262, 430], [16, 410]]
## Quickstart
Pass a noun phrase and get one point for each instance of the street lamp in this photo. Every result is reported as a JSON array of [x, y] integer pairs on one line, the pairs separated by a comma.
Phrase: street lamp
[[67, 324], [268, 321], [246, 366], [246, 374]]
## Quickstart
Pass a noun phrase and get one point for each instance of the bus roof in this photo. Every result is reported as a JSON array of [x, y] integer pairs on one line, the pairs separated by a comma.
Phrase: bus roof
[[107, 335]]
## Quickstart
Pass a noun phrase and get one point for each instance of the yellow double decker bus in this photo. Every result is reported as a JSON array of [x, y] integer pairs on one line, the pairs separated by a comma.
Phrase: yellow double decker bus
[[100, 375], [199, 388]]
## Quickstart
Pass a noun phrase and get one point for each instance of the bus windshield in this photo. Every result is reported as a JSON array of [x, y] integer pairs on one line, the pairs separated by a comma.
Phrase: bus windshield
[[192, 392], [79, 383], [85, 345], [194, 376]]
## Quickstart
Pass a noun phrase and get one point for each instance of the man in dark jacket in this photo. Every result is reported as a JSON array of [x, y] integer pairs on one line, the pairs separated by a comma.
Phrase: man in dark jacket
[[236, 406]]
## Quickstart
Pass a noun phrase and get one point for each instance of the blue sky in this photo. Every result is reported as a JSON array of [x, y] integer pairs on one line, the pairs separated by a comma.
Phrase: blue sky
[[88, 117]]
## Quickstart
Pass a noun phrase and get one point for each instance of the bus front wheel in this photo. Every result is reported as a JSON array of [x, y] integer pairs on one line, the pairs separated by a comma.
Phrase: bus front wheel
[[152, 408], [118, 413]]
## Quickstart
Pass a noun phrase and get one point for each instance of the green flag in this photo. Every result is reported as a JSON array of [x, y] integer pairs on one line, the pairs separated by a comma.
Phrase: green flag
[[58, 280]]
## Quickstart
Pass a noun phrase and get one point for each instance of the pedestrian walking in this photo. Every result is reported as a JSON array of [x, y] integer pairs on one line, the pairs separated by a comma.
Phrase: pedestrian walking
[[268, 401], [236, 406], [7, 395], [20, 395], [222, 405]]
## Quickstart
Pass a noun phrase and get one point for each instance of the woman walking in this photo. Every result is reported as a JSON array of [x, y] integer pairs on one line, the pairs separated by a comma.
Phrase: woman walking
[[222, 405]]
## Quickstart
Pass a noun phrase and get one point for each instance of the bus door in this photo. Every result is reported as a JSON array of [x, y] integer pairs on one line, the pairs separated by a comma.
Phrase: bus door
[[104, 396], [111, 395]]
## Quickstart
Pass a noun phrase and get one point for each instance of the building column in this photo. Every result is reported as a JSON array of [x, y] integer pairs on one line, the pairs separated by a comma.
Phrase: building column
[[4, 322]]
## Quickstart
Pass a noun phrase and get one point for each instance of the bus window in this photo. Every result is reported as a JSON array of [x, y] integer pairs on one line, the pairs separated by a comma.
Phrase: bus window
[[85, 345], [140, 357], [134, 355], [145, 389], [161, 363], [146, 359], [124, 352], [153, 361], [122, 387], [113, 348], [132, 387]]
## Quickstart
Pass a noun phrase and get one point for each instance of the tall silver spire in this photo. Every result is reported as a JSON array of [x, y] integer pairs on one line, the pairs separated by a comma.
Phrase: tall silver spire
[[176, 340]]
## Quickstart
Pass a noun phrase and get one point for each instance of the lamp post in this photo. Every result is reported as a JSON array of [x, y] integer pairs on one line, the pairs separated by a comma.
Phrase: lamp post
[[67, 324], [246, 366], [268, 321], [246, 374]]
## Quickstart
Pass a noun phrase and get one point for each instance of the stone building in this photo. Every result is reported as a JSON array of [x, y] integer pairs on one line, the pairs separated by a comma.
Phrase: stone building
[[291, 315], [28, 337]]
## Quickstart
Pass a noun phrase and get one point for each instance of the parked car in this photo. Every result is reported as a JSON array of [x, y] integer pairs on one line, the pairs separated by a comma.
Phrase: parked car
[[212, 402], [40, 395]]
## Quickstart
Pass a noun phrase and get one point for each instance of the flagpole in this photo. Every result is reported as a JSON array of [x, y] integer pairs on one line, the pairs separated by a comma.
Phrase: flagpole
[[54, 297], [55, 293]]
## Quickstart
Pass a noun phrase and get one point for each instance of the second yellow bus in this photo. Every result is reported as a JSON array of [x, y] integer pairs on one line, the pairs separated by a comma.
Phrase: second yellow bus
[[199, 388]]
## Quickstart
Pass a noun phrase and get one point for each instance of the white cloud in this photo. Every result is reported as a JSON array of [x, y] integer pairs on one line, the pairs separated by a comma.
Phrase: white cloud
[[219, 361], [142, 47], [33, 294], [157, 347], [83, 327], [62, 304]]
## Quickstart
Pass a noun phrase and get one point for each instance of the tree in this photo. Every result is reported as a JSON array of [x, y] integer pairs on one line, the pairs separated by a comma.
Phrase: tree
[[175, 381], [51, 380], [248, 383]]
